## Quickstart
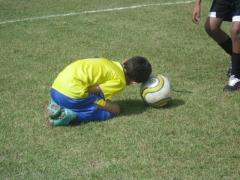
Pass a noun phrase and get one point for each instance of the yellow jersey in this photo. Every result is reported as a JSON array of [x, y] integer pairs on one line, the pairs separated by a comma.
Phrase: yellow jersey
[[75, 79]]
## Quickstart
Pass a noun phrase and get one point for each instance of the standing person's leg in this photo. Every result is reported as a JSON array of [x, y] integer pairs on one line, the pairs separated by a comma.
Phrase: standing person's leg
[[234, 80], [220, 11], [213, 29], [236, 47]]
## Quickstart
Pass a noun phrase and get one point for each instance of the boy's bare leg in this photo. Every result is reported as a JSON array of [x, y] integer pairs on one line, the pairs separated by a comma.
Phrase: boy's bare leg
[[111, 107], [234, 80], [235, 33], [213, 29]]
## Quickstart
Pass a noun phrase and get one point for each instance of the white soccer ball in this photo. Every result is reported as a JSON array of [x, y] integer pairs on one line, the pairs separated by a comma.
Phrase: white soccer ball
[[157, 91]]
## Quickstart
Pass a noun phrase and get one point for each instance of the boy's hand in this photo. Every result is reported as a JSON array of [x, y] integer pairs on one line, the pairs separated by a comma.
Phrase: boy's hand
[[196, 14]]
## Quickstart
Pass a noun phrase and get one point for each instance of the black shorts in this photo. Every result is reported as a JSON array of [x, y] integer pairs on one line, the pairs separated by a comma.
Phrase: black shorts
[[228, 10]]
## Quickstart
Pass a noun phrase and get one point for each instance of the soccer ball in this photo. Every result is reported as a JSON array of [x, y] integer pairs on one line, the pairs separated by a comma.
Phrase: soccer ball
[[157, 91]]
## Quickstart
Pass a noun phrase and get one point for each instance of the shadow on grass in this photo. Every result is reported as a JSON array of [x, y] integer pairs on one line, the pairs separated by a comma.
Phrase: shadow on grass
[[128, 107], [131, 107], [174, 103]]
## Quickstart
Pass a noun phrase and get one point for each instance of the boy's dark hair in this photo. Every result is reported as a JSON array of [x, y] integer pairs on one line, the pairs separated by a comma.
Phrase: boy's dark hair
[[138, 68]]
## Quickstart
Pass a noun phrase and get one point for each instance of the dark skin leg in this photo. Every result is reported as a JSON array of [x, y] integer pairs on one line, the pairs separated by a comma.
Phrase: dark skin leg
[[213, 29], [235, 33], [111, 106]]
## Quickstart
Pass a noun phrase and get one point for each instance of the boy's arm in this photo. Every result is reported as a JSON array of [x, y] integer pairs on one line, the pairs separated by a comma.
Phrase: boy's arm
[[196, 13], [108, 89], [94, 90]]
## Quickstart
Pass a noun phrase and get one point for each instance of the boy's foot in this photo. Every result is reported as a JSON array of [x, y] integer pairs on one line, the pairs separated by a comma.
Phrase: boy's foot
[[65, 117], [233, 84], [53, 109]]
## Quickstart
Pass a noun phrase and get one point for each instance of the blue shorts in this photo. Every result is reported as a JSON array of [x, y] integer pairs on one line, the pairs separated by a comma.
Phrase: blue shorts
[[85, 108]]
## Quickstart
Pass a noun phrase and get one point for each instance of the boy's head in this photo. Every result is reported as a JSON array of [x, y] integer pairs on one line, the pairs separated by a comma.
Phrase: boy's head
[[138, 69]]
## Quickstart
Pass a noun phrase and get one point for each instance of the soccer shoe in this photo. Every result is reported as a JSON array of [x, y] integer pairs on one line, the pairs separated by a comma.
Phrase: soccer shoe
[[53, 109], [63, 120], [233, 84]]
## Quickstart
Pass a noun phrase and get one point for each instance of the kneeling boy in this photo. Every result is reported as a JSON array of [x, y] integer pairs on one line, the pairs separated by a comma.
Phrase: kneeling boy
[[81, 92]]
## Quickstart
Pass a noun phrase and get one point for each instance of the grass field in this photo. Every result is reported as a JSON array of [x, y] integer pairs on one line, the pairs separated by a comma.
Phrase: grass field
[[196, 136]]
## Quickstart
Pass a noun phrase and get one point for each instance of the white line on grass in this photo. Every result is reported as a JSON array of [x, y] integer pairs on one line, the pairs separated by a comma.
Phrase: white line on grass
[[96, 11]]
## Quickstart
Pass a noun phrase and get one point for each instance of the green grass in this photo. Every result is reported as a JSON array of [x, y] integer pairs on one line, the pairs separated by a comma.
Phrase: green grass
[[196, 136]]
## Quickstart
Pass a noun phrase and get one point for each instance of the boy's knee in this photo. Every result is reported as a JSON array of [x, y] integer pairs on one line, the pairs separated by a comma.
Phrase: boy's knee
[[207, 27], [235, 31], [112, 107], [211, 29], [212, 26]]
